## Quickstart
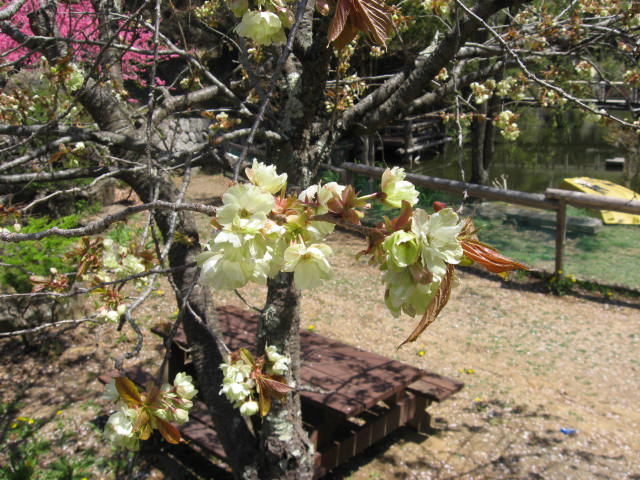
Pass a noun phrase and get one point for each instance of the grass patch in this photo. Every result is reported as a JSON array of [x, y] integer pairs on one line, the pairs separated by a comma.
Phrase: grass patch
[[608, 257]]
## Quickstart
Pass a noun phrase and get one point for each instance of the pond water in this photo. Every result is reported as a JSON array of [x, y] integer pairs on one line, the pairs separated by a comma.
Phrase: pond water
[[551, 147]]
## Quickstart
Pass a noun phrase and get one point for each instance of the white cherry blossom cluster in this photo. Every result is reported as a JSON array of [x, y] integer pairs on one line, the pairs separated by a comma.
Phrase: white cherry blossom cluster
[[510, 87], [104, 312], [238, 386], [482, 91], [506, 122], [415, 260], [242, 375], [261, 234], [139, 413]]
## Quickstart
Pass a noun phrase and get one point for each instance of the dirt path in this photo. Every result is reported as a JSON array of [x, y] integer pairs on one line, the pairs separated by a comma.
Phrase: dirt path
[[533, 364]]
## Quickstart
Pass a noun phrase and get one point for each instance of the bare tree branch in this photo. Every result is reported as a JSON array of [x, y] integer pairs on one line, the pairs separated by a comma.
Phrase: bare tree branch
[[76, 134], [538, 80], [10, 10], [44, 326], [102, 224], [69, 174], [178, 102]]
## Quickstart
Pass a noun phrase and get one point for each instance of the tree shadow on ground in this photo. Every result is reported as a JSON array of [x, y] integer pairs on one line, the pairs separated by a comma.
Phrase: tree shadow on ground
[[536, 283], [524, 446]]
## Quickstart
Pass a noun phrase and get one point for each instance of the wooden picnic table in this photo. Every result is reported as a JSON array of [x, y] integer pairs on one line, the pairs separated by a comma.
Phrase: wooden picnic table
[[351, 398]]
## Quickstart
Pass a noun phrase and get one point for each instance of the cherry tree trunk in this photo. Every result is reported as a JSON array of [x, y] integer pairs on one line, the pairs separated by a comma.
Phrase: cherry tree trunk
[[286, 451]]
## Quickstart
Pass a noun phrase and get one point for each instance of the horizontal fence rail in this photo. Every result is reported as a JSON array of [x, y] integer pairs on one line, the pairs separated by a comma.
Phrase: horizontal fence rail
[[553, 199]]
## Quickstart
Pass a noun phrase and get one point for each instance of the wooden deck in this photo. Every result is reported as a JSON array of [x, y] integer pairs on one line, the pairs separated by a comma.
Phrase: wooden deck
[[351, 398]]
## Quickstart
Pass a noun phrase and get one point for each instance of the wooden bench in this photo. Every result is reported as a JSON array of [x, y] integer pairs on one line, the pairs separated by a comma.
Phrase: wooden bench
[[351, 398]]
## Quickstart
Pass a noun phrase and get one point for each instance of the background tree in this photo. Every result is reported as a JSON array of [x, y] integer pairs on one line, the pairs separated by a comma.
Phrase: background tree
[[92, 90]]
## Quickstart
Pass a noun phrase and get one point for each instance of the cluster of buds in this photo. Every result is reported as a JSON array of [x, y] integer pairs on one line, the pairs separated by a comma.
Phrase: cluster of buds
[[346, 95], [54, 282], [510, 87], [506, 122], [585, 68], [138, 413], [549, 98], [102, 260], [119, 260], [599, 8], [222, 121], [443, 75], [632, 77], [482, 91], [439, 7], [250, 383]]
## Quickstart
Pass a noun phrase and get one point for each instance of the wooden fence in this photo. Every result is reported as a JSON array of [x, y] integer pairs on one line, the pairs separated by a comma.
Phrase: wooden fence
[[552, 199]]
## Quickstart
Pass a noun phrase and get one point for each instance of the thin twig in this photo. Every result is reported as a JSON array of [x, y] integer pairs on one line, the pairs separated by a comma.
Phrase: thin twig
[[102, 224], [43, 326], [538, 80]]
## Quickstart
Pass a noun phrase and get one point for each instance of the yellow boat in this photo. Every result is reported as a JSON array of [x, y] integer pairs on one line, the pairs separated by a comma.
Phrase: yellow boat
[[595, 186]]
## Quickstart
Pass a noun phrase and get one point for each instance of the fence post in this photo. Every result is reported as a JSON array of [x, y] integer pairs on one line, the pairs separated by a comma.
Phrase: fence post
[[561, 234], [346, 177]]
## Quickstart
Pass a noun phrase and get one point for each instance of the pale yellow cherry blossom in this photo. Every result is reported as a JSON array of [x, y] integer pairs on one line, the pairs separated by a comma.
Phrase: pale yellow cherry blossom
[[401, 248], [309, 265], [245, 206], [266, 177], [264, 28], [184, 386], [247, 409], [396, 189], [437, 235]]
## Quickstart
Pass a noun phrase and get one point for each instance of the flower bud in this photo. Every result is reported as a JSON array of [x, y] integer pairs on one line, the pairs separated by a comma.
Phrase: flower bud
[[247, 409]]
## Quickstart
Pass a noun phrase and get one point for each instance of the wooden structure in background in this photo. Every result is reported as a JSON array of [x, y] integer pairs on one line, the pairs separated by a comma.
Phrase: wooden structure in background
[[351, 398], [413, 135]]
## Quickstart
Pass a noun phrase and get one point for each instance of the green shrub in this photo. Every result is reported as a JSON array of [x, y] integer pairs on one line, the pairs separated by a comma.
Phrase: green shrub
[[37, 257]]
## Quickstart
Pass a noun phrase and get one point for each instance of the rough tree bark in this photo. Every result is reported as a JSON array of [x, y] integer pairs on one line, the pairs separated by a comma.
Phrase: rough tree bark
[[287, 452]]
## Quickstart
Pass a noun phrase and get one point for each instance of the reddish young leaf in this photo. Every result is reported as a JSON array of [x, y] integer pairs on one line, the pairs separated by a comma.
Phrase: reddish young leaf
[[482, 253], [372, 18], [489, 257], [269, 386], [368, 16], [128, 391], [437, 304], [276, 385], [339, 21], [402, 221], [170, 433]]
